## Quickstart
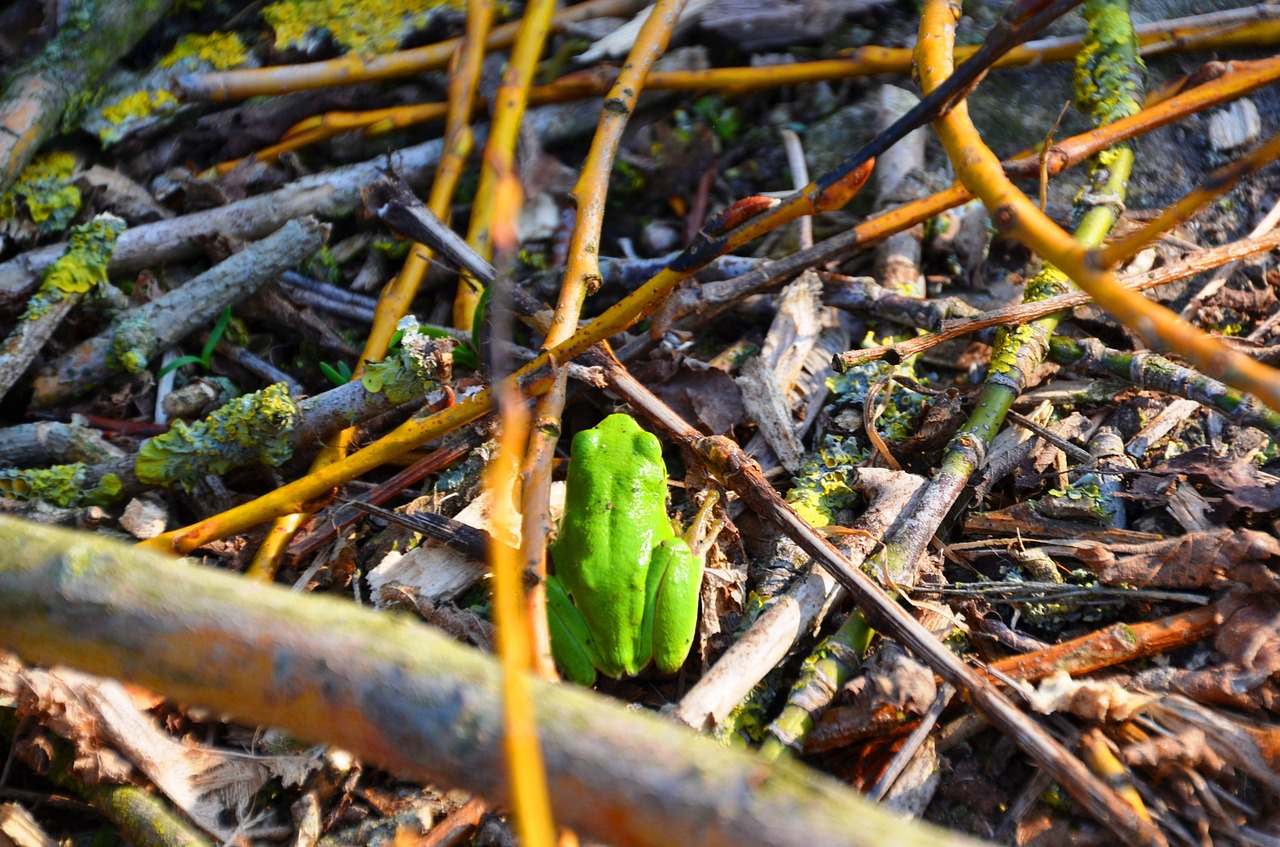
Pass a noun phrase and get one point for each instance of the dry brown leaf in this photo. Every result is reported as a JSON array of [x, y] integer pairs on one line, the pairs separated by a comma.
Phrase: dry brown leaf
[[1188, 748], [1250, 747], [895, 679], [1198, 560]]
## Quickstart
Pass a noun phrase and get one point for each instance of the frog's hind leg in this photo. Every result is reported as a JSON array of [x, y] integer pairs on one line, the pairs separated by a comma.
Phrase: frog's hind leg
[[675, 606]]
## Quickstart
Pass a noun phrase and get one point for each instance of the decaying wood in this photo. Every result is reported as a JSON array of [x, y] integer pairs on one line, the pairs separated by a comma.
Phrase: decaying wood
[[37, 96], [333, 192], [897, 258], [173, 316], [799, 323], [53, 443], [19, 829]]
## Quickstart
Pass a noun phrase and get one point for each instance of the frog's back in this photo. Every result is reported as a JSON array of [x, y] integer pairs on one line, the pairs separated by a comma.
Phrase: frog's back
[[615, 514]]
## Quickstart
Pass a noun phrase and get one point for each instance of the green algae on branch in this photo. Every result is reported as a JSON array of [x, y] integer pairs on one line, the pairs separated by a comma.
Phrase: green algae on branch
[[360, 26], [418, 367], [264, 427], [1019, 352], [61, 485], [253, 429], [260, 428], [45, 191], [82, 267]]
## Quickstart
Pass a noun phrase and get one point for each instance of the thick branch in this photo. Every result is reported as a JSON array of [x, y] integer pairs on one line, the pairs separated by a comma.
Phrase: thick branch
[[404, 697]]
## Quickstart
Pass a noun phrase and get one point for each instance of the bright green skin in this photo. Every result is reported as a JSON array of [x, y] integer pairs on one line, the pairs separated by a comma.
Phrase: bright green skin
[[625, 587]]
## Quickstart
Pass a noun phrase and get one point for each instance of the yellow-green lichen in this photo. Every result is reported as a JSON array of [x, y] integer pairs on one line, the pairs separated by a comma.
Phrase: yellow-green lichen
[[1107, 158], [136, 107], [421, 363], [119, 116], [360, 26], [61, 485], [1009, 343], [45, 191], [822, 487], [748, 721], [131, 101], [81, 266], [1082, 500], [900, 407], [219, 51], [1049, 282], [253, 429], [1109, 73], [393, 379]]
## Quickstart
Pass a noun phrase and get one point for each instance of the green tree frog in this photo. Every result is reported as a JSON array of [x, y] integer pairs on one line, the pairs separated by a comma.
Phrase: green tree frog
[[624, 590]]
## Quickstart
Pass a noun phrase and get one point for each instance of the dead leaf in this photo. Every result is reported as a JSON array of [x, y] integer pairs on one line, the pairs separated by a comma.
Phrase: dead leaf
[[1196, 560], [1086, 698], [1234, 740], [1243, 485], [1250, 634], [895, 679], [709, 396], [937, 422], [1187, 748]]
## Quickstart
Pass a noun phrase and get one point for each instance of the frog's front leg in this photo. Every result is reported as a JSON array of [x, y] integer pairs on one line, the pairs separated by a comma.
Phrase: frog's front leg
[[571, 642]]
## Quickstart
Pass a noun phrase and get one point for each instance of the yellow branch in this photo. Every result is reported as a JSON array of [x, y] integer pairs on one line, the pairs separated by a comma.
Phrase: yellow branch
[[352, 69], [581, 278], [866, 61], [1016, 215], [499, 152]]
